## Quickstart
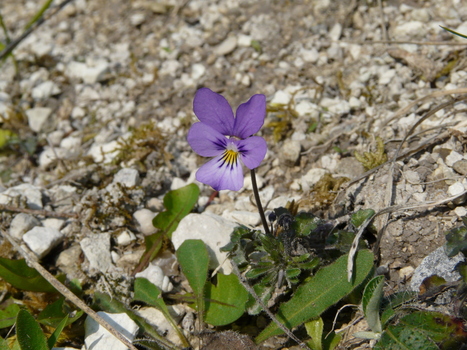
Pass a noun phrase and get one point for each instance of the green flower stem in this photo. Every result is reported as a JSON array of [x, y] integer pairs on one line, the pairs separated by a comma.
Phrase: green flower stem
[[258, 202]]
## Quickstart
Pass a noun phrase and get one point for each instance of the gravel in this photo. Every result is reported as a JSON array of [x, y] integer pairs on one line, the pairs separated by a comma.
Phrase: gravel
[[101, 102]]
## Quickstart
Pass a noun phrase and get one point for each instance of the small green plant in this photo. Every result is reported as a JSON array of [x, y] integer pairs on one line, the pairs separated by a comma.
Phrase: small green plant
[[398, 322], [178, 204], [285, 262], [43, 331], [371, 160]]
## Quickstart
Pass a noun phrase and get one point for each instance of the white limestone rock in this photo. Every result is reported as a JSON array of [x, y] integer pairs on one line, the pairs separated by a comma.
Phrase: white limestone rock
[[40, 119], [45, 90], [243, 217], [90, 74], [312, 177], [41, 240], [290, 152], [97, 251], [32, 194], [104, 153], [125, 238], [226, 47], [21, 224], [98, 338], [127, 177], [157, 319], [155, 275], [143, 218], [213, 230], [436, 263]]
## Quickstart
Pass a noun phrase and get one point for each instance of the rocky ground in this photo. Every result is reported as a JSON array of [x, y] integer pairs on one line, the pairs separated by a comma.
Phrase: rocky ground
[[98, 101]]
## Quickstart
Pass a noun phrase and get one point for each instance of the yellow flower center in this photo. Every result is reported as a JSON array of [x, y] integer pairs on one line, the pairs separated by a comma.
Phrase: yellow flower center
[[230, 157]]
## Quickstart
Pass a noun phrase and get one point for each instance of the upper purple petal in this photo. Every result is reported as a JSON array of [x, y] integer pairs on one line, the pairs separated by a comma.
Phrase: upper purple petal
[[221, 175], [250, 117], [205, 140], [214, 110], [252, 151]]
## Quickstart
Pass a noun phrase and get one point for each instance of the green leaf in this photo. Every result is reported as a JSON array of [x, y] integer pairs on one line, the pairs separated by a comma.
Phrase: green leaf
[[6, 136], [54, 313], [367, 335], [371, 302], [454, 32], [4, 344], [292, 272], [193, 258], [39, 14], [360, 216], [15, 345], [112, 305], [54, 336], [153, 244], [8, 315], [179, 204], [323, 290], [456, 241], [256, 272], [393, 301], [421, 329], [30, 335], [225, 303], [305, 223], [148, 293], [21, 276], [264, 292], [314, 328]]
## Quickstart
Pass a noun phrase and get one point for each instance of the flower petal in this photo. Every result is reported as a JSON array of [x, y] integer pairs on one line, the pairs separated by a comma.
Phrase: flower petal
[[221, 175], [250, 117], [252, 151], [205, 140], [214, 110]]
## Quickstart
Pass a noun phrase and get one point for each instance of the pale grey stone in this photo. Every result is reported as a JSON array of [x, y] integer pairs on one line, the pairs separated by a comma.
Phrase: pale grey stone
[[248, 185], [157, 319], [436, 263], [21, 224], [137, 19], [40, 119], [197, 71], [89, 74], [290, 152], [335, 32], [127, 177], [45, 90], [125, 238], [243, 217], [453, 157], [155, 275], [53, 223], [104, 153], [213, 230], [312, 177], [41, 240], [226, 47], [49, 156], [98, 338], [456, 189], [460, 166], [32, 194], [97, 250], [143, 218]]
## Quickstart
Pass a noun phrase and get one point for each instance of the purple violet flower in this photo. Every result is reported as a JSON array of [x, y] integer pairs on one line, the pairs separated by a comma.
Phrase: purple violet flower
[[227, 138]]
